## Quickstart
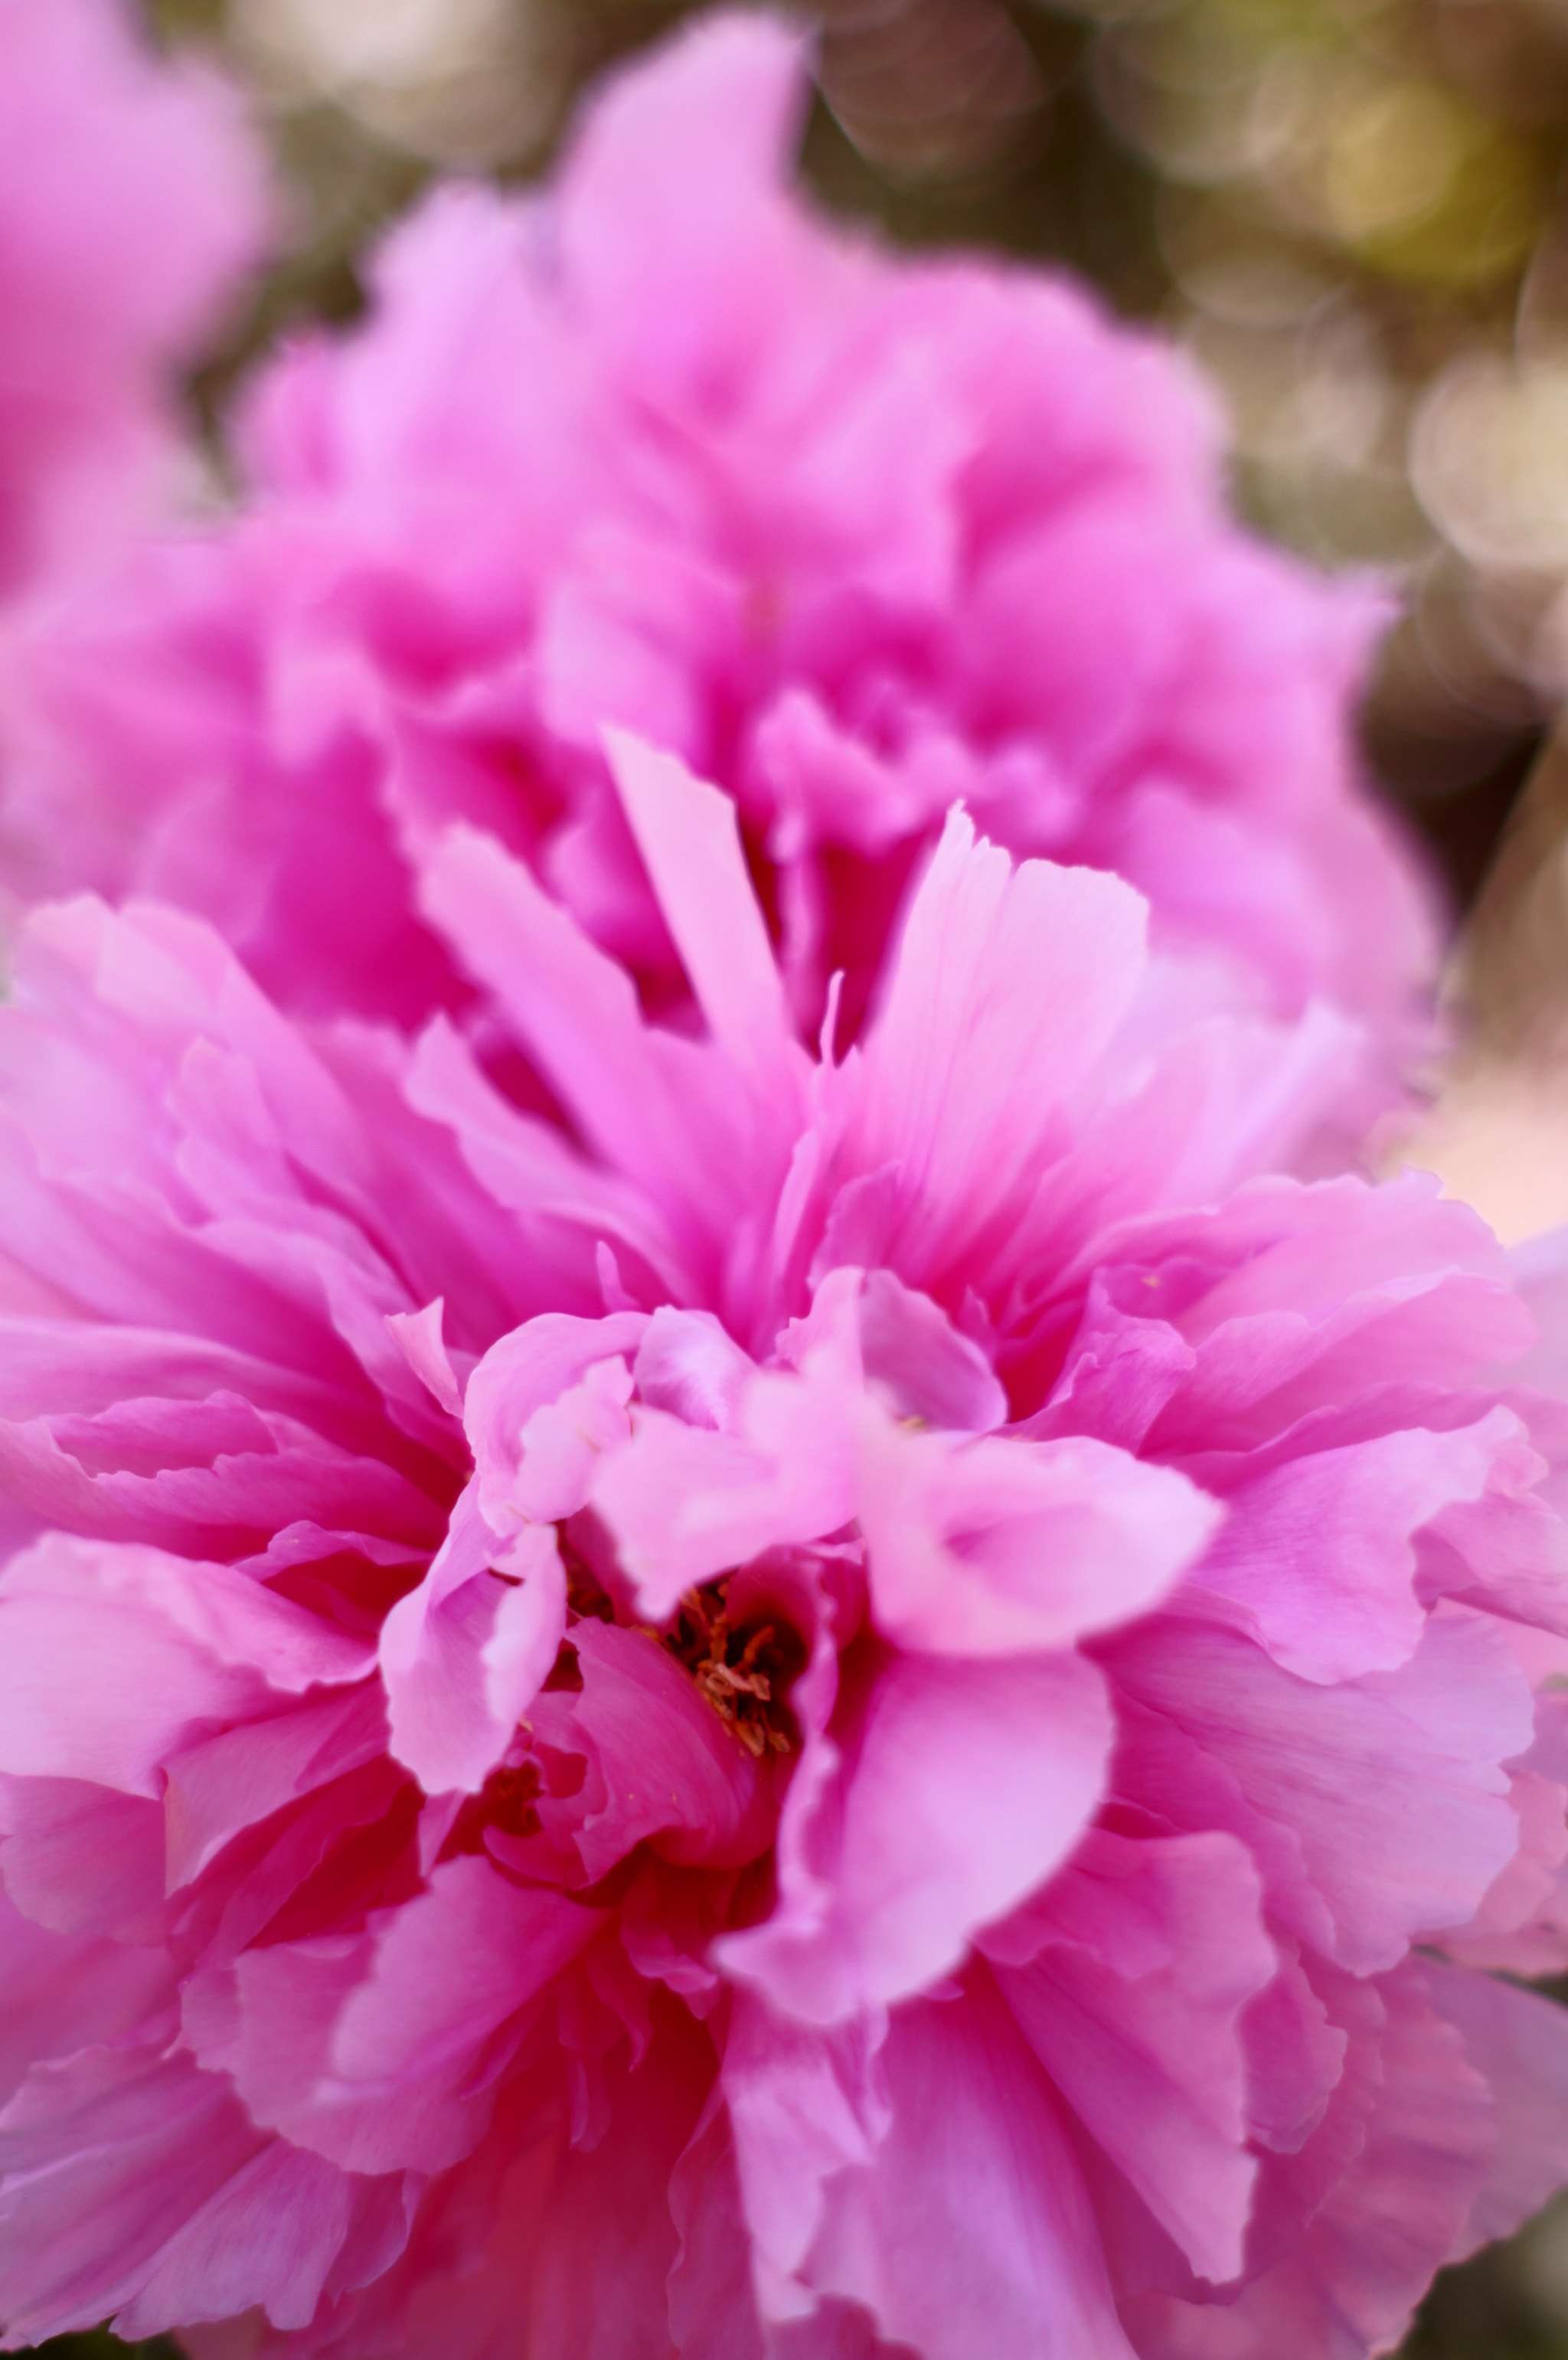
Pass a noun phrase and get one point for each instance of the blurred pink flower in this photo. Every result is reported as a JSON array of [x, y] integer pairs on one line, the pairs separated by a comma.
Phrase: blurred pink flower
[[660, 1695], [857, 534], [130, 197]]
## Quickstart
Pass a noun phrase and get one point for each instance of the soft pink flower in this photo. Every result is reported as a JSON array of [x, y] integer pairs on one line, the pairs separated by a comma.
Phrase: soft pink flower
[[660, 1694], [130, 197], [857, 534]]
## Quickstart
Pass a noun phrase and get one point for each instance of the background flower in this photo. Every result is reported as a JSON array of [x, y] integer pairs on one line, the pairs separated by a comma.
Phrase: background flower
[[131, 202], [857, 535]]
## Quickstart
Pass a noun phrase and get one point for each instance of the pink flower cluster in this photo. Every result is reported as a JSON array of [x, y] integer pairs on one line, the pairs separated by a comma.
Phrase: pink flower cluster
[[820, 1704], [128, 201], [858, 536], [725, 1629]]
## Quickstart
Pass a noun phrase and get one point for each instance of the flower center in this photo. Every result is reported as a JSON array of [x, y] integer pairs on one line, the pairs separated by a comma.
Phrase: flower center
[[743, 1672]]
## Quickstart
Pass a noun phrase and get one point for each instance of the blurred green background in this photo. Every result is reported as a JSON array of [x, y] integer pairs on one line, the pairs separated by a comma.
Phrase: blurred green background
[[1352, 212]]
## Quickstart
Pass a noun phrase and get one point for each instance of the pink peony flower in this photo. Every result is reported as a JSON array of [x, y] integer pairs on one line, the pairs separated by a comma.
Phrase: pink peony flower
[[660, 1694], [857, 534], [129, 199]]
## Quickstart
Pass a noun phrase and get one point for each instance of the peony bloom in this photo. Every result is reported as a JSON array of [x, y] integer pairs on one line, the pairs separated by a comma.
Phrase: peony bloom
[[663, 1694], [855, 534], [129, 199]]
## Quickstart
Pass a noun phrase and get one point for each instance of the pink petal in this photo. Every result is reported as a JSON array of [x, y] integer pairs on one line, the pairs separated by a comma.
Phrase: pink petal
[[1377, 1808], [685, 1503], [1350, 2284], [1127, 1977], [962, 1787], [978, 1042], [1320, 1551], [114, 1654], [689, 836], [970, 2220]]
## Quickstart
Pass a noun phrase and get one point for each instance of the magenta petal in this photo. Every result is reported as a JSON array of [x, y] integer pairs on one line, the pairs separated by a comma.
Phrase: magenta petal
[[273, 2235], [368, 2051], [674, 1775], [409, 2016]]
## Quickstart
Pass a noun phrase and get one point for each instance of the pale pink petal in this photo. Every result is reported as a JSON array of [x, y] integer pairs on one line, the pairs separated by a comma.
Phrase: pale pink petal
[[464, 1654], [84, 1859], [274, 2234], [59, 1993], [1519, 2040], [419, 1334], [131, 202], [990, 1548], [917, 1365], [105, 2157], [525, 1374], [229, 1781], [687, 1364], [685, 300]]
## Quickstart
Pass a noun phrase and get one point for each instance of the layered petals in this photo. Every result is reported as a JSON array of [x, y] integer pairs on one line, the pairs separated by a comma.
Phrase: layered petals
[[611, 1629]]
